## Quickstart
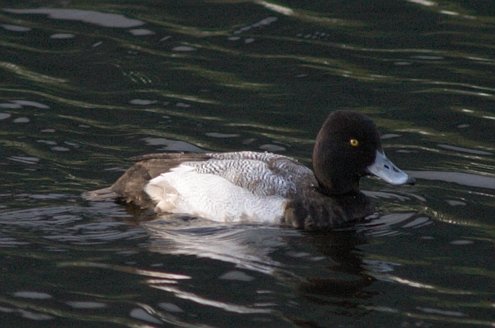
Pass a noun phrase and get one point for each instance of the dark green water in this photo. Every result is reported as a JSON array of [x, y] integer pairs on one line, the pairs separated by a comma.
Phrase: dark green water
[[86, 85]]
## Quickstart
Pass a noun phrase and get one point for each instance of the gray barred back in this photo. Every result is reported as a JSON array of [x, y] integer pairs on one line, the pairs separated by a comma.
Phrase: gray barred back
[[264, 174]]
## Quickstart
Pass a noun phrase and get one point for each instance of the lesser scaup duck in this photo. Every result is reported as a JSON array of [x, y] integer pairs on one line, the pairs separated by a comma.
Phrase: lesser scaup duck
[[265, 187]]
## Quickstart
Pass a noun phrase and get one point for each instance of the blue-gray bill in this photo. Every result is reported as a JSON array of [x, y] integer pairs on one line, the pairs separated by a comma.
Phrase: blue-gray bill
[[383, 168]]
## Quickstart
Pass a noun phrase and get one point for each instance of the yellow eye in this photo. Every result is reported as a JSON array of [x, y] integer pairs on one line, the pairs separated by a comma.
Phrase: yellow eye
[[354, 142]]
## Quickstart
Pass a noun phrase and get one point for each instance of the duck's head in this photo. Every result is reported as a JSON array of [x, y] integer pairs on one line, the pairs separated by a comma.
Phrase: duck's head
[[348, 147]]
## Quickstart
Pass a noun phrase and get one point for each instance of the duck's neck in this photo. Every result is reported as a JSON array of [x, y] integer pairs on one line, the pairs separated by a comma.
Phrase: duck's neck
[[335, 176], [333, 185]]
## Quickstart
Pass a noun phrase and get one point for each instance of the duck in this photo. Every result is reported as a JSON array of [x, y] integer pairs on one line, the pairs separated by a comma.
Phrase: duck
[[264, 187]]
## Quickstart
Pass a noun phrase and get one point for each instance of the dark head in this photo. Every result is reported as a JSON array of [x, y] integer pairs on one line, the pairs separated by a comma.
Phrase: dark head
[[347, 148]]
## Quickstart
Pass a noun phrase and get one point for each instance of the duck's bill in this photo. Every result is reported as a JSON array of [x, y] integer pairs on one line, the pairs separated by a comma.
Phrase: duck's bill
[[383, 168]]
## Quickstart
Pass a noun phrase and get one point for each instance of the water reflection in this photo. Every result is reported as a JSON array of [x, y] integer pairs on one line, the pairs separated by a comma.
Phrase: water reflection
[[246, 247], [332, 270], [325, 266], [86, 16], [15, 28], [464, 179], [258, 248], [465, 150]]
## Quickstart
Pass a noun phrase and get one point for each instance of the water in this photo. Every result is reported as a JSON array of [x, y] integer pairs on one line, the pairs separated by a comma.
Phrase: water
[[87, 85]]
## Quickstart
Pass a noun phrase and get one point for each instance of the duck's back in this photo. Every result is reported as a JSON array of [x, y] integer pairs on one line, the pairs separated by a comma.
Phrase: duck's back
[[263, 174]]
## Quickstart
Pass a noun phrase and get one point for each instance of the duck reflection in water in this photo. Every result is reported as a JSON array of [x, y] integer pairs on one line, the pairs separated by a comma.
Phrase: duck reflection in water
[[322, 266]]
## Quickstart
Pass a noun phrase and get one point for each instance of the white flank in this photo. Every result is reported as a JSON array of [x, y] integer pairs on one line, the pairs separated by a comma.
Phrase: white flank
[[184, 190]]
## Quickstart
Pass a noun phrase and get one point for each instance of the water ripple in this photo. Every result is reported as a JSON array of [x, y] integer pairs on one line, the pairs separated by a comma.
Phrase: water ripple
[[464, 179], [66, 225], [86, 16]]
